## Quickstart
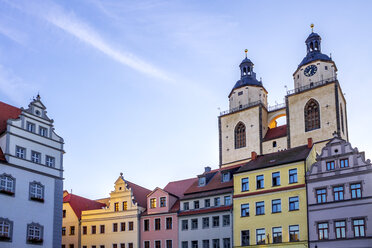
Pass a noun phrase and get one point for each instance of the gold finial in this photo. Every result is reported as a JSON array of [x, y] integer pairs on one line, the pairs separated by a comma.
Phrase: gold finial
[[312, 27], [246, 50]]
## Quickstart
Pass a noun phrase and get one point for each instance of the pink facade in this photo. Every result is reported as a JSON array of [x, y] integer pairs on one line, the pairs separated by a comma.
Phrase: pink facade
[[159, 224]]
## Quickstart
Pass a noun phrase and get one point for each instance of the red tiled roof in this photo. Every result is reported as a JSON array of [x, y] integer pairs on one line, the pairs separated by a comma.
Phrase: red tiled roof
[[2, 157], [179, 187], [140, 193], [276, 132], [7, 112], [79, 204], [205, 210]]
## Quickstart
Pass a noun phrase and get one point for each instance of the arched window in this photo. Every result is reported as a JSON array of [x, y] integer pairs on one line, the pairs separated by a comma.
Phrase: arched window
[[342, 119], [240, 135], [316, 45], [312, 115]]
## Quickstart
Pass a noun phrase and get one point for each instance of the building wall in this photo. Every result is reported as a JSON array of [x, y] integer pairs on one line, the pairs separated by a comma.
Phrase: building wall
[[109, 216], [250, 118], [68, 221], [325, 96], [248, 94], [318, 177], [25, 211], [269, 193], [201, 233], [281, 144], [163, 234]]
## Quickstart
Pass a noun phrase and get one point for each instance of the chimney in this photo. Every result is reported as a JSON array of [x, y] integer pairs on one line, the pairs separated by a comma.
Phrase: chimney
[[309, 142], [253, 155], [207, 169]]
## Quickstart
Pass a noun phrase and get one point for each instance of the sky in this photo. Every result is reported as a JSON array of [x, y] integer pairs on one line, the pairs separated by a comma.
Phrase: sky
[[136, 86]]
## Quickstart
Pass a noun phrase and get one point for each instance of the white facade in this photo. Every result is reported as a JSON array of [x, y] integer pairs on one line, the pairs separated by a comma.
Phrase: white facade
[[34, 165]]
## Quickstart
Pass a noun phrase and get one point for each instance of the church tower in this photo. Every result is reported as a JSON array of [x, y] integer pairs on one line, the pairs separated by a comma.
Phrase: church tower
[[316, 107], [242, 126]]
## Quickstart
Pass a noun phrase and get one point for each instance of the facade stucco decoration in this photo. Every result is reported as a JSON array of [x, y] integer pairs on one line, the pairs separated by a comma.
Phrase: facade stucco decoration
[[339, 189]]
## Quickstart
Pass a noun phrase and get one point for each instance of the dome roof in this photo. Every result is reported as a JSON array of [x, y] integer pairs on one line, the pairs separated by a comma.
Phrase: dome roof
[[245, 81], [313, 36], [246, 60], [312, 56]]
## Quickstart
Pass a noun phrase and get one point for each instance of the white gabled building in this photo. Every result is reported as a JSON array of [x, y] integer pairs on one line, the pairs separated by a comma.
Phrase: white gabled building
[[31, 177]]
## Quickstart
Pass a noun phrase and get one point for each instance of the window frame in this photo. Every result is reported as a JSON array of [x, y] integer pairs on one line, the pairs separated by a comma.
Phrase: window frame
[[343, 164], [244, 239], [157, 224], [291, 202], [294, 232], [359, 189], [260, 182], [292, 177], [275, 179], [50, 161], [364, 227], [338, 193], [32, 125], [5, 223], [243, 210], [19, 154], [340, 229], [279, 209], [4, 189], [260, 238], [205, 222], [323, 232], [33, 238], [312, 118], [35, 196], [275, 235], [260, 208], [168, 223], [215, 221], [163, 201], [240, 137], [35, 157], [322, 194], [245, 185]]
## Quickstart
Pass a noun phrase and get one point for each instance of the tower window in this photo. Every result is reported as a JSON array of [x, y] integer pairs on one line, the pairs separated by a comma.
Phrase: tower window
[[342, 119], [326, 68], [274, 143], [240, 136], [312, 115]]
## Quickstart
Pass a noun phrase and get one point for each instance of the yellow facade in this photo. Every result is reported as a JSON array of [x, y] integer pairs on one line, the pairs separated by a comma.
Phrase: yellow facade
[[70, 222], [115, 213], [269, 220]]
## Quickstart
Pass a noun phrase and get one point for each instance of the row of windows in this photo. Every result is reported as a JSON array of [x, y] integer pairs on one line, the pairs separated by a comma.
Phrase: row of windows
[[205, 222], [35, 156], [339, 193], [157, 224], [31, 127], [276, 206], [275, 180], [277, 235], [343, 163], [102, 228], [121, 245], [7, 187], [340, 229], [34, 232], [157, 244], [207, 203], [163, 202], [226, 243]]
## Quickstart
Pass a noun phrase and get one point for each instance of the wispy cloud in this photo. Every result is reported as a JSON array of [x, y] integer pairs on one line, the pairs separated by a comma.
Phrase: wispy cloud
[[12, 34], [71, 24], [12, 86]]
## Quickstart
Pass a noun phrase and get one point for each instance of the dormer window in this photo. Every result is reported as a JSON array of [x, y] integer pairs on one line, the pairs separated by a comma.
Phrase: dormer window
[[201, 181], [225, 176], [163, 202], [153, 203]]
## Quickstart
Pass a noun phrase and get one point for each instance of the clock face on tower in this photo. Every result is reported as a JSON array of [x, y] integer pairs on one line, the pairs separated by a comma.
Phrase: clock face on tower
[[310, 70]]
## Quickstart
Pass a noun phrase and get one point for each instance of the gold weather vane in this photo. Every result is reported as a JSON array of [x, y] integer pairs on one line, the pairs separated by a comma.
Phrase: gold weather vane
[[312, 27], [246, 50]]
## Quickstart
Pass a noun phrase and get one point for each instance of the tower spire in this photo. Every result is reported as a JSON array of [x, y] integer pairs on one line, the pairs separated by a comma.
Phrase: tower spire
[[312, 27], [246, 51]]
